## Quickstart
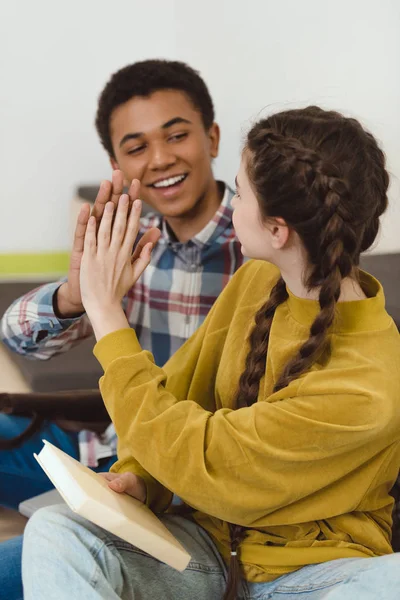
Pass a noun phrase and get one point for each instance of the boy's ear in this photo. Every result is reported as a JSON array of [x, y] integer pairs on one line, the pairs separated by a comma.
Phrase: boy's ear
[[214, 136]]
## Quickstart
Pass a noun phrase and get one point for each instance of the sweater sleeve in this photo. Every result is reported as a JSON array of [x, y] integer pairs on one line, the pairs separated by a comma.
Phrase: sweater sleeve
[[236, 465], [125, 343]]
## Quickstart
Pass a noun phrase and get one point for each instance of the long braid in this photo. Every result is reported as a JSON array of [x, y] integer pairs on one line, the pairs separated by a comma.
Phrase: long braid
[[338, 247], [237, 535], [246, 395], [256, 358]]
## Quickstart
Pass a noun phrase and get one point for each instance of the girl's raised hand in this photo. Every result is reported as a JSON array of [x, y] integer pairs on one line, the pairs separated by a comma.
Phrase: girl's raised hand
[[108, 268]]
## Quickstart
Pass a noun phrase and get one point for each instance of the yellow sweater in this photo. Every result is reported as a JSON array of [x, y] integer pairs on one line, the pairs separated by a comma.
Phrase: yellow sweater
[[307, 469]]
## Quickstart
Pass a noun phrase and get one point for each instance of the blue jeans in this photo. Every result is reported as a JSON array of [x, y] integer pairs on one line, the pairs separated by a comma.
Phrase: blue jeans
[[21, 475], [83, 561], [21, 478]]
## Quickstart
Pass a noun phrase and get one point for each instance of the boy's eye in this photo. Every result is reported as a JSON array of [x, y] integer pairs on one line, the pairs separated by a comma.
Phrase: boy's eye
[[177, 137], [136, 150]]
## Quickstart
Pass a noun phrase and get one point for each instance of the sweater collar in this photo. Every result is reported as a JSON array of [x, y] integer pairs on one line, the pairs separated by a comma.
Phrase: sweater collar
[[354, 316]]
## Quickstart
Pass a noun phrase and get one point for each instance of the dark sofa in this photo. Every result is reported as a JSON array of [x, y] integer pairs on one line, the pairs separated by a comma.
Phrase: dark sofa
[[78, 369]]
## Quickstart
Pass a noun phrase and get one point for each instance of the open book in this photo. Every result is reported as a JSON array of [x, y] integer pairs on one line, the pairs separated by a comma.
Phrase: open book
[[88, 494]]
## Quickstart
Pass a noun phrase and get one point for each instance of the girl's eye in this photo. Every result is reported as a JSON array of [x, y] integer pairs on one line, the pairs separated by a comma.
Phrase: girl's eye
[[237, 194]]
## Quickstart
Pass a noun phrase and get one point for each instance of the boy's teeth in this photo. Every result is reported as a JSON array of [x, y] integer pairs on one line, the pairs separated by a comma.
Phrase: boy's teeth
[[168, 182]]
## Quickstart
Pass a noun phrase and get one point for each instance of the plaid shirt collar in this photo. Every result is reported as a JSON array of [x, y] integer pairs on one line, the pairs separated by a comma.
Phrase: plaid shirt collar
[[217, 225]]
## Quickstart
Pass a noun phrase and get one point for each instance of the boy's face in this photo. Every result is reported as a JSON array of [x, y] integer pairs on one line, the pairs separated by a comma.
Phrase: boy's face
[[161, 141]]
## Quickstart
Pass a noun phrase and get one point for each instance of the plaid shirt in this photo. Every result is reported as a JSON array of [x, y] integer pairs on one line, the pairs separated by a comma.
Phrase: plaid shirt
[[165, 306]]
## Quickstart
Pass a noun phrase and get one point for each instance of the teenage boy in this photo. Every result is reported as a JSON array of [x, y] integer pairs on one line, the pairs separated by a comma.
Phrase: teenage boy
[[156, 121]]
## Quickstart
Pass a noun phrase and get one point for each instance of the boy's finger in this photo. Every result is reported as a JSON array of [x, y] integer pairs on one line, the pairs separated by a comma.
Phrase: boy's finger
[[117, 186], [80, 229], [103, 196], [152, 235]]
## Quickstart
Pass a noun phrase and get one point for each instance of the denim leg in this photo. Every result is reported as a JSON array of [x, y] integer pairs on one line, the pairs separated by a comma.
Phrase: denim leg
[[20, 474], [10, 569], [81, 560], [374, 579], [344, 579]]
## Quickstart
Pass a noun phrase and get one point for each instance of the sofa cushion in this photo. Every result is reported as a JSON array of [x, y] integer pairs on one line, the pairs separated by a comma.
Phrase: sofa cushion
[[386, 268], [77, 369]]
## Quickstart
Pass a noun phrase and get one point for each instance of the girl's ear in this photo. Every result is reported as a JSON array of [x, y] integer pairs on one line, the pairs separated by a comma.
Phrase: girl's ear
[[279, 231]]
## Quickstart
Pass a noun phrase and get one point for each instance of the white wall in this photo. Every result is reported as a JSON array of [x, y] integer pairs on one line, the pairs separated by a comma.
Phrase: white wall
[[342, 54], [255, 55], [59, 56]]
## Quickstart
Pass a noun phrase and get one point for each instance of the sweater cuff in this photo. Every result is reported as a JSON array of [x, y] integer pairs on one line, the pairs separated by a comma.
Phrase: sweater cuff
[[116, 345]]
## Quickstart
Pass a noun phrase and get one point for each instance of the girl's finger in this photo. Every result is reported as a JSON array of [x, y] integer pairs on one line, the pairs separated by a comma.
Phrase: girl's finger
[[142, 262], [108, 476], [132, 228], [119, 226], [117, 485], [104, 233], [125, 482], [90, 237]]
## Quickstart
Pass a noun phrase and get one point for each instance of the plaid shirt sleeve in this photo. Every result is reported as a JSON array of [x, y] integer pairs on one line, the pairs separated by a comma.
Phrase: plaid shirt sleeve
[[30, 327]]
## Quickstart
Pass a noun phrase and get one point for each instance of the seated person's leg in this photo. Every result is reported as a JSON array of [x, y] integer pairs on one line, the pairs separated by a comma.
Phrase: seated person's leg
[[81, 560], [10, 569], [20, 473], [15, 465]]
